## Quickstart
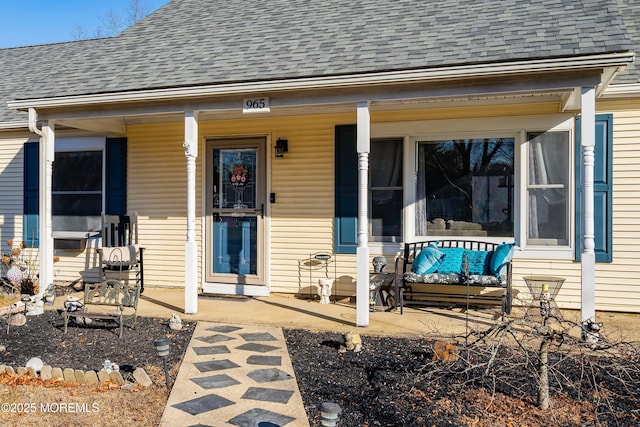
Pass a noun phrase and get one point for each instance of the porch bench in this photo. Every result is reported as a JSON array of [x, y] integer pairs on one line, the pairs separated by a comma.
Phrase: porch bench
[[110, 300], [467, 277]]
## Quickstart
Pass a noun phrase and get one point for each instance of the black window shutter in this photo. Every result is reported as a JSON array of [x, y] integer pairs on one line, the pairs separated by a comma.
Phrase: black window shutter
[[116, 179], [602, 189], [31, 174], [346, 191]]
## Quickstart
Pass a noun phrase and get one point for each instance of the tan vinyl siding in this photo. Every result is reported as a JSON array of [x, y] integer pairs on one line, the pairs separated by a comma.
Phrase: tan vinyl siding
[[157, 188], [301, 220], [616, 288], [11, 196]]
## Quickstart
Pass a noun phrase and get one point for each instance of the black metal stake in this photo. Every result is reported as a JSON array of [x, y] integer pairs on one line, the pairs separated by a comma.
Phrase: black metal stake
[[166, 372]]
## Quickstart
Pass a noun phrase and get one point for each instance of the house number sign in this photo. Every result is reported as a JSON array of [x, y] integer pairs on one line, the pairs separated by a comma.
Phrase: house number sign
[[256, 105]]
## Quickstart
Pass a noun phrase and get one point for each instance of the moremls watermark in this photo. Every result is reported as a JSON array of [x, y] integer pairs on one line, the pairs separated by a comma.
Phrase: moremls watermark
[[52, 407]]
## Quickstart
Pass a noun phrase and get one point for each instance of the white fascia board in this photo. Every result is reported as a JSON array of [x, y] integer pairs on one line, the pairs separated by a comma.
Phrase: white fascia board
[[353, 80]]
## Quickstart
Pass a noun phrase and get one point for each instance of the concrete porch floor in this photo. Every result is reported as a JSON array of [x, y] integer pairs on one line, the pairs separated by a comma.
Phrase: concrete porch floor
[[287, 311]]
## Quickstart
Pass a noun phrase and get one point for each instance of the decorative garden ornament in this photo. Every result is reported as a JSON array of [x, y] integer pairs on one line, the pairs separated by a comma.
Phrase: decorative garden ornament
[[379, 263], [324, 290]]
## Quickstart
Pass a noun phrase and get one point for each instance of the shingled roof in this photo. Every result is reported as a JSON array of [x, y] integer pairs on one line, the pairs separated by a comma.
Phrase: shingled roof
[[631, 16], [197, 42]]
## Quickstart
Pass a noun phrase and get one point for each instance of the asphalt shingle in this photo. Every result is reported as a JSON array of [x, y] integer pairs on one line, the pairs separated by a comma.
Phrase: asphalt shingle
[[196, 42]]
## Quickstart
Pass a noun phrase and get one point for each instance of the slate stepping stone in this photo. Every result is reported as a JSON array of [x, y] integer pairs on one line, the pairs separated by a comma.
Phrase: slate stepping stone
[[224, 329], [215, 365], [259, 336], [265, 360], [212, 339], [203, 404], [259, 348], [268, 375], [257, 415], [216, 349], [268, 394], [215, 381]]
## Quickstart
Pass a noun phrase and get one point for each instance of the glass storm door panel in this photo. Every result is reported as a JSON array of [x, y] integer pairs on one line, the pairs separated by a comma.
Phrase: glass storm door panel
[[235, 189]]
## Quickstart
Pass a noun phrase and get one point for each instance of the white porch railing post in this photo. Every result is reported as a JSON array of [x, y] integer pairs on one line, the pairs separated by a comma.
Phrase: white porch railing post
[[588, 129], [362, 251], [190, 247], [46, 150]]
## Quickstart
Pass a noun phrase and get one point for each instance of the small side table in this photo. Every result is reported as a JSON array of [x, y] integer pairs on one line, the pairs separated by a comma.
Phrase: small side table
[[381, 291]]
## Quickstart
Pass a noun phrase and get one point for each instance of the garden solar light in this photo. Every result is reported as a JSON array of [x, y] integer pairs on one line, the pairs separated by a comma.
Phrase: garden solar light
[[162, 347], [329, 414]]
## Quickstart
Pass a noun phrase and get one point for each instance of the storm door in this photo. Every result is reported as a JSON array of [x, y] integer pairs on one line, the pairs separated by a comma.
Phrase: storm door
[[235, 211]]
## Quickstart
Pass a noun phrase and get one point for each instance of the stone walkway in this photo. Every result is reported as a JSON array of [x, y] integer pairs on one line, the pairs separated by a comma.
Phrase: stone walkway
[[235, 376]]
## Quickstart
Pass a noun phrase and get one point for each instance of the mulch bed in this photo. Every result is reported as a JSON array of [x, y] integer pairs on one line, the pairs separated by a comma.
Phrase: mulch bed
[[391, 382], [86, 347], [397, 382]]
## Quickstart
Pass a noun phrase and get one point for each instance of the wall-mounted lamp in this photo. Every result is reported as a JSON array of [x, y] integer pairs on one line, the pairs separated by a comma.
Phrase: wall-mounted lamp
[[282, 146]]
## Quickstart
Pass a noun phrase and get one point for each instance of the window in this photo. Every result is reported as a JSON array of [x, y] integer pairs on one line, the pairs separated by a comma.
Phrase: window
[[464, 187], [385, 190], [89, 176], [77, 183], [548, 189]]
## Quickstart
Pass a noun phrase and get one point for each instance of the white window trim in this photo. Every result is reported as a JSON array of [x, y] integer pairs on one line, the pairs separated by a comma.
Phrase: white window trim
[[509, 126]]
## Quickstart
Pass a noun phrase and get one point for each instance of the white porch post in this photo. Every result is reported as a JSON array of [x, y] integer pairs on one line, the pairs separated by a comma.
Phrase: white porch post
[[362, 251], [190, 247], [46, 153], [588, 304]]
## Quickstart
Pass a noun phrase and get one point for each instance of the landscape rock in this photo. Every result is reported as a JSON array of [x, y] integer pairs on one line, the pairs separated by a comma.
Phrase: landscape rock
[[18, 319], [35, 363], [175, 322]]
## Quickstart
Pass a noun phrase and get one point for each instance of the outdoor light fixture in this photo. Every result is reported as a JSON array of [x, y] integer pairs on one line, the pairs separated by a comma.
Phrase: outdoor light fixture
[[282, 146], [329, 414], [162, 347]]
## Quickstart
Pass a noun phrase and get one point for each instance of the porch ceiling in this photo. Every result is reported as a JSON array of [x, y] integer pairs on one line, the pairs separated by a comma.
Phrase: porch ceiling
[[111, 114], [117, 124]]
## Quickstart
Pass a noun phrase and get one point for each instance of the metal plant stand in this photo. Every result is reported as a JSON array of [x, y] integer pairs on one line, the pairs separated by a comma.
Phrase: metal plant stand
[[544, 290]]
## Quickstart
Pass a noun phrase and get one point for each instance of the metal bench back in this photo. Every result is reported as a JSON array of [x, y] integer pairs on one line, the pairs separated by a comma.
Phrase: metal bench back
[[112, 293], [413, 249]]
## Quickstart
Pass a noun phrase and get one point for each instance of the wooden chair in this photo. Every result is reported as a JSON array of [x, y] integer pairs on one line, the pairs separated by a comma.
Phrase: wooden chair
[[120, 253]]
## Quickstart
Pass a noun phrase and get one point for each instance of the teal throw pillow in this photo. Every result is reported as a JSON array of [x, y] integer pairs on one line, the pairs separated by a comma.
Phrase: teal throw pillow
[[478, 261], [500, 258], [427, 260], [452, 261]]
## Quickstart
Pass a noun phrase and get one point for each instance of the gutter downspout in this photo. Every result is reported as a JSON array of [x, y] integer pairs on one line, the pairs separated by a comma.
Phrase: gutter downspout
[[46, 152]]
